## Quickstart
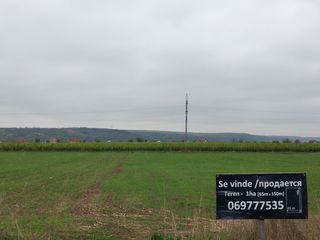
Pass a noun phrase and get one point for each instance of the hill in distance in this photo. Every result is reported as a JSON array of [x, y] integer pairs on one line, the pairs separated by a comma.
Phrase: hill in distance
[[101, 134]]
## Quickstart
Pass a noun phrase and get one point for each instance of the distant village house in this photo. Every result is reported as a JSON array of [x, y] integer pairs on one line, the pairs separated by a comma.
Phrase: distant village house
[[74, 140], [53, 140]]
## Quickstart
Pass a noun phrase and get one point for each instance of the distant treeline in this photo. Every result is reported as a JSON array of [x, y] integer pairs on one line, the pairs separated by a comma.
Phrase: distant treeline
[[162, 146], [53, 135]]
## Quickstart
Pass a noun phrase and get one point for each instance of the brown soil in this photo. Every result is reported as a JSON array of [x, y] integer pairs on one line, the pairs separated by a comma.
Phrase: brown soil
[[85, 205], [118, 168]]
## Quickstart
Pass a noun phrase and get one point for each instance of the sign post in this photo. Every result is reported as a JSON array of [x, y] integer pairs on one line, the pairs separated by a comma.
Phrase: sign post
[[261, 231], [261, 196]]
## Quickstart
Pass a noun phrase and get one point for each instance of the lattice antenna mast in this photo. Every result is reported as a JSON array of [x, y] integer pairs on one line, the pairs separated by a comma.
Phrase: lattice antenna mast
[[186, 123]]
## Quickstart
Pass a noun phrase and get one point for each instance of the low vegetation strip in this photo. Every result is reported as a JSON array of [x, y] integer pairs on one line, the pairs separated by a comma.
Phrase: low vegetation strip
[[163, 146]]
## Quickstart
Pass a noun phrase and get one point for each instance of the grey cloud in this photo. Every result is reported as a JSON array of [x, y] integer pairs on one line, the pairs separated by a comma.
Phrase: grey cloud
[[248, 65]]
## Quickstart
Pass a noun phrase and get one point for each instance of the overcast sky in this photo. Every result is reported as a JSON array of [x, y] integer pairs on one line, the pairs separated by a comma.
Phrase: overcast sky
[[248, 66]]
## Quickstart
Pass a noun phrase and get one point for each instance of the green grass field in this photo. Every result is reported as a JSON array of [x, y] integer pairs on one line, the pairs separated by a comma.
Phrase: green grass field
[[119, 195]]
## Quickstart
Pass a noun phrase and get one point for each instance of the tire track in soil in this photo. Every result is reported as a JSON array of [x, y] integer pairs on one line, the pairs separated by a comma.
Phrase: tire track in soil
[[114, 220]]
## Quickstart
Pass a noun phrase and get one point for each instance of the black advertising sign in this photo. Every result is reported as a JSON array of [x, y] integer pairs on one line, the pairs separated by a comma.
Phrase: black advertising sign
[[261, 196]]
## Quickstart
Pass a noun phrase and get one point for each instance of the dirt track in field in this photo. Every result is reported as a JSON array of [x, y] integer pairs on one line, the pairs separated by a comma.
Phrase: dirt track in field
[[96, 211]]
